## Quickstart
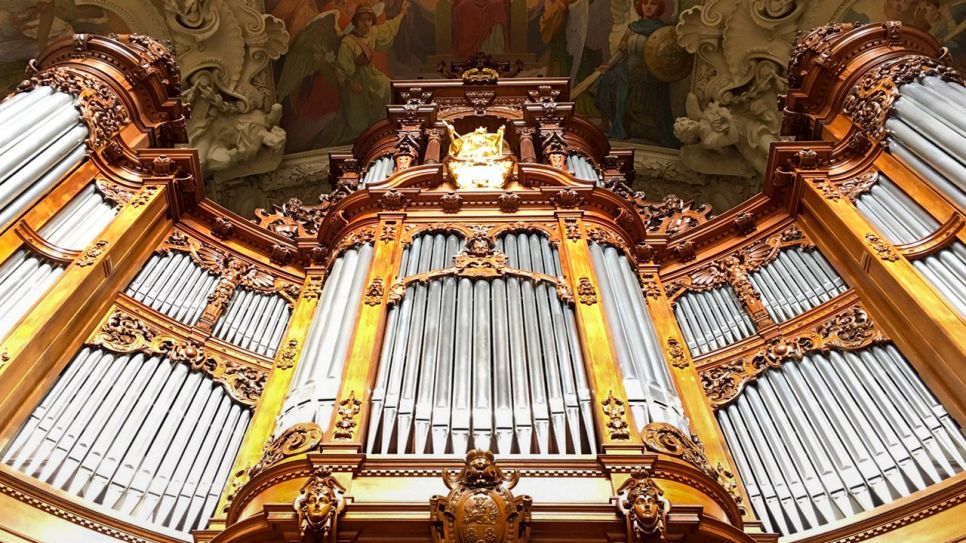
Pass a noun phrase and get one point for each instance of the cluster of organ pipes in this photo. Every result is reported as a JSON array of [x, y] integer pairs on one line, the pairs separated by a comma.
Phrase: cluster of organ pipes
[[26, 276], [901, 220], [254, 321], [837, 434], [173, 284], [379, 170], [42, 140], [145, 437], [582, 168], [481, 363], [712, 319]]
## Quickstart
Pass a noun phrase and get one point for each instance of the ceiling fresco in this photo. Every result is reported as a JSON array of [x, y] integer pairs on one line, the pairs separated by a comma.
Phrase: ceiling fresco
[[275, 85]]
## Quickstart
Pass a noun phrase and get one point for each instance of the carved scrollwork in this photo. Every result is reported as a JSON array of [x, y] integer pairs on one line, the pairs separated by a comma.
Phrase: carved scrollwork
[[319, 504], [480, 507], [125, 333], [815, 43], [287, 356], [113, 193], [870, 102], [675, 353], [672, 215], [293, 219], [850, 329], [359, 236], [663, 438], [882, 248], [92, 253], [374, 292], [644, 508], [297, 439], [856, 186], [101, 108]]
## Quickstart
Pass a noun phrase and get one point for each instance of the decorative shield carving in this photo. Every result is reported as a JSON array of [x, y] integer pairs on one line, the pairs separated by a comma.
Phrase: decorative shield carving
[[479, 507]]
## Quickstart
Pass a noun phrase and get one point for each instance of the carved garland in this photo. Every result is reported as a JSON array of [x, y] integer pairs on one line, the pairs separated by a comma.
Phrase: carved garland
[[125, 333], [851, 329]]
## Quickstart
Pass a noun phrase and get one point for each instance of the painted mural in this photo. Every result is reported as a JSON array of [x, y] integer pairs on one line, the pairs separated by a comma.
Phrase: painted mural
[[944, 19], [334, 80]]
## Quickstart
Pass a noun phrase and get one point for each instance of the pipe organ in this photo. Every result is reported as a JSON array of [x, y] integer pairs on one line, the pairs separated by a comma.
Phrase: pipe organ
[[482, 332]]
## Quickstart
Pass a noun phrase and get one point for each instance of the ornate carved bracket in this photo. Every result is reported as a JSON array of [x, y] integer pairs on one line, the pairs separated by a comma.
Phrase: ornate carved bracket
[[319, 504], [125, 333], [644, 508], [479, 506], [297, 439], [851, 329]]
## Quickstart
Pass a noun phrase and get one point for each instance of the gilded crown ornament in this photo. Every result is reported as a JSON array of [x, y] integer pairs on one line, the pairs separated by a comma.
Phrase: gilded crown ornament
[[476, 159]]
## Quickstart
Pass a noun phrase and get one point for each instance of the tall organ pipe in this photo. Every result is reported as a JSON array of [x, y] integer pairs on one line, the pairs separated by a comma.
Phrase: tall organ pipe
[[492, 364], [150, 439], [837, 434], [316, 381], [650, 390]]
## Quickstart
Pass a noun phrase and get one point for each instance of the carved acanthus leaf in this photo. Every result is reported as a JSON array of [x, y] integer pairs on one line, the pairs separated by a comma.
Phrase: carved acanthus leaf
[[666, 439], [297, 439]]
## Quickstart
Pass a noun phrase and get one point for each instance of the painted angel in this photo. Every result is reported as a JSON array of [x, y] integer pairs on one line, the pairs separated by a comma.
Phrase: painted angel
[[344, 57]]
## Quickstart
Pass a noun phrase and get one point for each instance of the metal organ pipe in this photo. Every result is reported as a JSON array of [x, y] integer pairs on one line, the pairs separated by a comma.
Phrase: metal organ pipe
[[712, 319], [795, 282], [837, 434], [254, 321], [316, 381], [140, 435], [174, 285], [481, 363], [581, 168], [379, 170], [651, 392], [43, 139]]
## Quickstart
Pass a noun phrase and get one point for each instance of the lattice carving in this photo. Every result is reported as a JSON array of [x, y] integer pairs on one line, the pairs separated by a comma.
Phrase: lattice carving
[[850, 329]]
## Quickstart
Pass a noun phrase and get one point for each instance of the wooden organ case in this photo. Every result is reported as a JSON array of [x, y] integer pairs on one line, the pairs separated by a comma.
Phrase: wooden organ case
[[482, 333]]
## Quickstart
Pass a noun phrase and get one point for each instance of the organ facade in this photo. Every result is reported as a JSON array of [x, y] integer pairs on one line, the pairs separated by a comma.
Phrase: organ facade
[[482, 333]]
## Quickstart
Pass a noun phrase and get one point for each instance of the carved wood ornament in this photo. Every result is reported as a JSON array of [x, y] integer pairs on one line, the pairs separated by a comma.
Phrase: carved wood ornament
[[126, 333], [851, 329], [479, 507], [319, 504], [644, 509]]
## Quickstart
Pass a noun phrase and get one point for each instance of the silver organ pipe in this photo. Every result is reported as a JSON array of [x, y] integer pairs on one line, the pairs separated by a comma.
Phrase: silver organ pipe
[[174, 285], [42, 140], [901, 220], [582, 168], [837, 434], [796, 281], [492, 364], [379, 170], [651, 392], [712, 319], [254, 321], [316, 382], [25, 276], [147, 438], [927, 134]]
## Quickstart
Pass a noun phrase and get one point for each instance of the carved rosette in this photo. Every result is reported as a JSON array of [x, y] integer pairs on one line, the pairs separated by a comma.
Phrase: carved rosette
[[870, 102], [319, 504], [480, 507], [644, 508], [297, 439], [851, 329], [663, 438]]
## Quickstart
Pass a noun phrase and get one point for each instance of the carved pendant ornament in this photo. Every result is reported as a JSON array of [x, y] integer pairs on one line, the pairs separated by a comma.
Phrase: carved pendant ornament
[[319, 504], [851, 329], [125, 333], [480, 507], [644, 508]]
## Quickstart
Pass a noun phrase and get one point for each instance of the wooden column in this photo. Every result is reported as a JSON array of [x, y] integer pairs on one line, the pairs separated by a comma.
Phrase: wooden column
[[615, 427]]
